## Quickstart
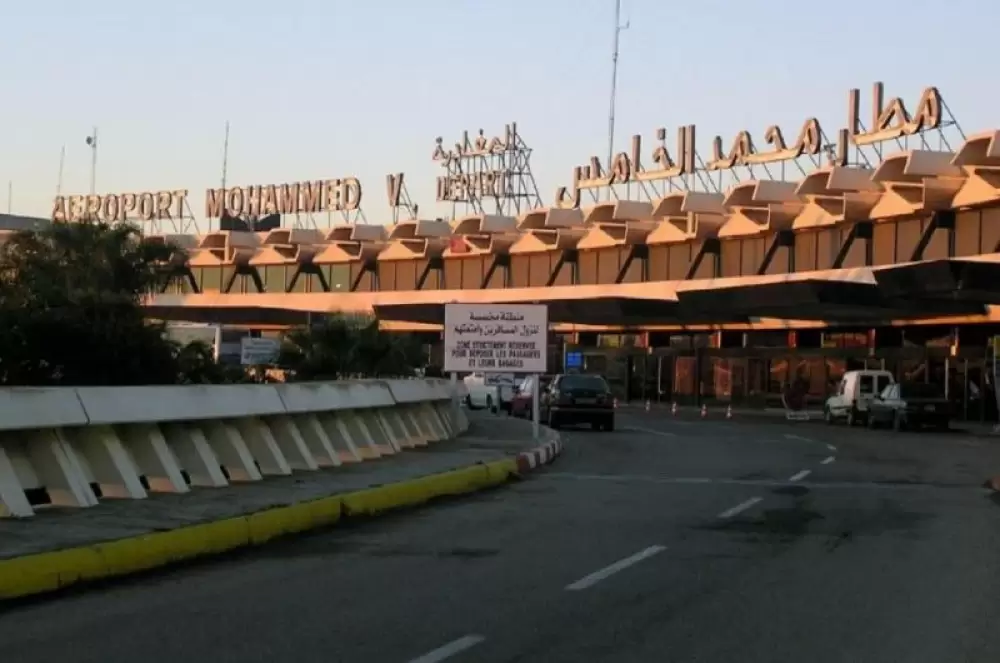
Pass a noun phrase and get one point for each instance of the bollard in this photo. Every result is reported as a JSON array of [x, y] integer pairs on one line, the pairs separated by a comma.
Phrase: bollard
[[704, 411], [647, 405], [673, 408], [729, 412]]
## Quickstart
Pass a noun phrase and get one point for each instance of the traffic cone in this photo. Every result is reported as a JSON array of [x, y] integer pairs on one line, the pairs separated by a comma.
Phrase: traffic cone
[[615, 403], [647, 405], [704, 411], [673, 408], [729, 412]]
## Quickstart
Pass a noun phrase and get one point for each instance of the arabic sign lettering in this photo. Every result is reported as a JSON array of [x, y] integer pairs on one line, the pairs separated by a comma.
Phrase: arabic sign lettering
[[889, 120], [501, 338]]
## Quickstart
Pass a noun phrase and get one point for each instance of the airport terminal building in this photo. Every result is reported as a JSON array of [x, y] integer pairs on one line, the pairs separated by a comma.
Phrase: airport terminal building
[[678, 284]]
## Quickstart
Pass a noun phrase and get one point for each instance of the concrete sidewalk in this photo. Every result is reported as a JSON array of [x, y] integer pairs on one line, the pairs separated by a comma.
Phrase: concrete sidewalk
[[486, 455]]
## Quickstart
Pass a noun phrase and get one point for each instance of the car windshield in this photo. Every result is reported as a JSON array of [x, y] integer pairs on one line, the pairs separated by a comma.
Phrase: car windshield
[[918, 390], [587, 382]]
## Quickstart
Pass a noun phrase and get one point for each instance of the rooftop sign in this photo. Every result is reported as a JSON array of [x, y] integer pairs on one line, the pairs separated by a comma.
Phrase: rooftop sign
[[120, 207], [889, 121], [338, 195], [333, 195]]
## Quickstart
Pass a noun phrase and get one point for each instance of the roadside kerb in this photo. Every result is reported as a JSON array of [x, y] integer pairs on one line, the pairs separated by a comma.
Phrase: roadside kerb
[[52, 571], [717, 413]]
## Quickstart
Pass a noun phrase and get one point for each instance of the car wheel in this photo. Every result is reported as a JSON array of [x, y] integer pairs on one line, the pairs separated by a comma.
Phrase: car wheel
[[828, 416], [852, 416], [871, 421], [553, 420], [609, 425], [489, 405], [897, 422]]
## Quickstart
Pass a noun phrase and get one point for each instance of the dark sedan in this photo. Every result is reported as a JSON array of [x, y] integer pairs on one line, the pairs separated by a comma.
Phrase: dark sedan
[[910, 405], [576, 399]]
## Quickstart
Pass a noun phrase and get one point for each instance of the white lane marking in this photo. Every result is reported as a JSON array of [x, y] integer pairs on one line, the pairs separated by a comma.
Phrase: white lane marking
[[827, 460], [648, 431], [740, 508], [798, 437], [831, 447], [620, 565], [450, 649], [764, 483], [798, 476]]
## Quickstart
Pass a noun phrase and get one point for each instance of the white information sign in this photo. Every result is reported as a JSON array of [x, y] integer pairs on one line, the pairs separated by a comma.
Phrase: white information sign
[[258, 351], [496, 338], [499, 379]]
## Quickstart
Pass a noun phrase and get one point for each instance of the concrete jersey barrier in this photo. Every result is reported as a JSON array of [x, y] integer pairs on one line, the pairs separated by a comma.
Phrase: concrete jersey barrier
[[73, 446]]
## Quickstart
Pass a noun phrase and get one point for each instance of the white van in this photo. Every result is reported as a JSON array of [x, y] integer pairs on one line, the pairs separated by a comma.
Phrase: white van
[[856, 391], [493, 391]]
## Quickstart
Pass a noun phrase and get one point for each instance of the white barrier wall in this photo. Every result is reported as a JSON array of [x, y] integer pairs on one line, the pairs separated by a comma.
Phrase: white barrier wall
[[75, 443]]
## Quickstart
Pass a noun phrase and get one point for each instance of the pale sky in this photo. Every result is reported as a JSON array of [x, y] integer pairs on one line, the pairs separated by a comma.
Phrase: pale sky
[[319, 89]]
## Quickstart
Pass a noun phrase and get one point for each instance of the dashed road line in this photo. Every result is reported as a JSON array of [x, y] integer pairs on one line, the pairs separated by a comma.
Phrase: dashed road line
[[620, 565], [827, 460], [831, 447], [740, 508], [447, 651], [789, 436], [799, 476], [760, 483]]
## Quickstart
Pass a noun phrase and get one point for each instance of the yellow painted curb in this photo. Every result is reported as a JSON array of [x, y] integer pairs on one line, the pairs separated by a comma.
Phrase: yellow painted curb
[[49, 571]]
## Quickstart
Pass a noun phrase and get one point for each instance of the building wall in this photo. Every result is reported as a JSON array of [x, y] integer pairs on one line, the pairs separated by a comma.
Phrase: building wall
[[975, 232]]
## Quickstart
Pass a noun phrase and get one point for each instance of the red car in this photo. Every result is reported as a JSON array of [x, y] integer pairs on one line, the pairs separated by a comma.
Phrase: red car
[[520, 404]]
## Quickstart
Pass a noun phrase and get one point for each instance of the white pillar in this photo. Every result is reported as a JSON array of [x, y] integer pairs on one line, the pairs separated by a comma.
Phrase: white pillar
[[56, 465], [359, 434], [370, 420], [230, 450], [290, 441], [113, 469], [13, 501], [154, 458], [194, 455], [340, 437], [262, 445], [316, 439]]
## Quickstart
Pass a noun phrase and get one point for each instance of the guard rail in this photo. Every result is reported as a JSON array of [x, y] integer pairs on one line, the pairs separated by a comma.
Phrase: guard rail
[[73, 446]]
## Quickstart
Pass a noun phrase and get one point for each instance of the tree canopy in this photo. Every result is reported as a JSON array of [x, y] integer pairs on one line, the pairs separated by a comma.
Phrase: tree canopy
[[71, 314], [71, 310], [343, 346]]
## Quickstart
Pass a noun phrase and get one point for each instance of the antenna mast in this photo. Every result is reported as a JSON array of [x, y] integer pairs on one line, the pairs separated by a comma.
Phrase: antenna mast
[[225, 157], [614, 82], [62, 164], [92, 142]]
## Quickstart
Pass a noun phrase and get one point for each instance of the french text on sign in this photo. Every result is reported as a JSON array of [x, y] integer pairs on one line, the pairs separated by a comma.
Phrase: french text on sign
[[496, 338]]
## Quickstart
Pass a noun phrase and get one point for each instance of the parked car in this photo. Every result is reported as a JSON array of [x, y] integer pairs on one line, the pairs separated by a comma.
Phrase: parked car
[[492, 391], [520, 404], [910, 405], [574, 399], [856, 391]]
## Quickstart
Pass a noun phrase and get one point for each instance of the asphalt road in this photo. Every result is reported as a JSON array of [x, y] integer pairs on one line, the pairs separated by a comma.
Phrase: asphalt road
[[664, 541]]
